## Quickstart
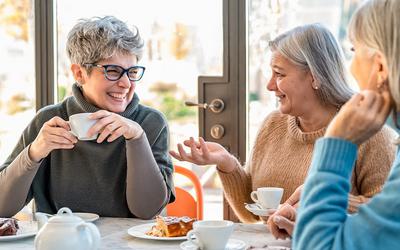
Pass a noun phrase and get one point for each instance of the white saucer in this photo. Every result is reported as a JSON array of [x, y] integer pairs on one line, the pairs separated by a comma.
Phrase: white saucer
[[88, 217], [233, 244], [256, 210]]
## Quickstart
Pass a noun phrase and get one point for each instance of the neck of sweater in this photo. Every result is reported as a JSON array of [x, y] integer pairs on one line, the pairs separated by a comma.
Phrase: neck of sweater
[[90, 108], [299, 135]]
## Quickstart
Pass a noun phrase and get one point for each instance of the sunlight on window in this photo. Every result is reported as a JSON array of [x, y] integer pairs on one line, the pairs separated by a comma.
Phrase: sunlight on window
[[17, 77]]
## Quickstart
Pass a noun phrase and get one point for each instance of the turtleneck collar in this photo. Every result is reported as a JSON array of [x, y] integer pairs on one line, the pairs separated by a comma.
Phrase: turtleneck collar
[[303, 137], [88, 107]]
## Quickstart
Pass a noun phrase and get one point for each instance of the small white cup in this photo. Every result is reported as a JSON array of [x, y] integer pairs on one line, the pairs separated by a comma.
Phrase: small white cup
[[267, 197], [211, 234], [80, 125]]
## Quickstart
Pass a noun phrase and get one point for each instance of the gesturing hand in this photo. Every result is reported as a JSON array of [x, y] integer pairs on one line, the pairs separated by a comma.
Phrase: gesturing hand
[[112, 125], [54, 134], [361, 117], [205, 153]]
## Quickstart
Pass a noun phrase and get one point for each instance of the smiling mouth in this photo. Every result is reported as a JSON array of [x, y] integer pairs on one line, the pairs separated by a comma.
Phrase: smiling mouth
[[280, 97], [117, 96]]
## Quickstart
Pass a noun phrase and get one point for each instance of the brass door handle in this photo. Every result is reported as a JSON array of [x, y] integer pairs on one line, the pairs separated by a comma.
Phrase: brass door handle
[[216, 105]]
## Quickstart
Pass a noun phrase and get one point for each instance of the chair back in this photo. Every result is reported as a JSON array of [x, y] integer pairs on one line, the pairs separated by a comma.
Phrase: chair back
[[185, 204]]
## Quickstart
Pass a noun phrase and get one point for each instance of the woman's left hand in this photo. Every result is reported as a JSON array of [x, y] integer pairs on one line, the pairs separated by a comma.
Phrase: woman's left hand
[[112, 125]]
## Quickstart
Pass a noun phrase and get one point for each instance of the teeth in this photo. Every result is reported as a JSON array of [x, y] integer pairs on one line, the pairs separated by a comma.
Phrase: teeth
[[119, 96]]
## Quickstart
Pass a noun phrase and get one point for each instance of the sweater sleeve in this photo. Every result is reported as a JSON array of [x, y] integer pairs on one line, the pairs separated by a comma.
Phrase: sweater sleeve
[[149, 176], [15, 182], [323, 222], [237, 189], [375, 157]]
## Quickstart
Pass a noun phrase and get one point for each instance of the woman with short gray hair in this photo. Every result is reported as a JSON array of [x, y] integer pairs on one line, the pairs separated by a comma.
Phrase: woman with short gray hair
[[127, 162], [308, 78]]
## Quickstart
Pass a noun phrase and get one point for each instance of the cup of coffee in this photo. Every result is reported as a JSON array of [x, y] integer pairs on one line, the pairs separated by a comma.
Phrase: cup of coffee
[[80, 125], [211, 234], [267, 197]]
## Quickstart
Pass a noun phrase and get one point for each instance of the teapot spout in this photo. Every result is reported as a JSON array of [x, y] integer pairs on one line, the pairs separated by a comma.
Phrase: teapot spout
[[42, 219]]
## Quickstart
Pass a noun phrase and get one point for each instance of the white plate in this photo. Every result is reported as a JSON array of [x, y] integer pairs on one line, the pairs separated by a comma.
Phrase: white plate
[[233, 244], [140, 232], [88, 217], [259, 212], [26, 229]]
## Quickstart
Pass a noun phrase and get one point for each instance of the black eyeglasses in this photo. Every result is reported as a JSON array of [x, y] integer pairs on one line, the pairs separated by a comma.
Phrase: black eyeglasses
[[115, 72]]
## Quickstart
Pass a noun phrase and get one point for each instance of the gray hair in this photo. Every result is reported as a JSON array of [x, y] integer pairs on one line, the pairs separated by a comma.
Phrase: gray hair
[[313, 47], [98, 38], [376, 25]]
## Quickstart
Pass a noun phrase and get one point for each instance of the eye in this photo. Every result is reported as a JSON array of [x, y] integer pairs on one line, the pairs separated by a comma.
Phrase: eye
[[277, 74]]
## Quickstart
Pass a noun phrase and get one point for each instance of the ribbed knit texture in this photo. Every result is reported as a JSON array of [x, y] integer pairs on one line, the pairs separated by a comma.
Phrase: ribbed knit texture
[[114, 179], [322, 220], [281, 158]]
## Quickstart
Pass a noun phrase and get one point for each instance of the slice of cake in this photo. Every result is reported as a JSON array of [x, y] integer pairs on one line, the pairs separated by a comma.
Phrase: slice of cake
[[8, 226], [171, 226]]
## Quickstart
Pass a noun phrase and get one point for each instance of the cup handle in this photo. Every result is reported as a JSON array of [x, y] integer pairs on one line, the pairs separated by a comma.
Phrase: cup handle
[[254, 197], [189, 237], [72, 132]]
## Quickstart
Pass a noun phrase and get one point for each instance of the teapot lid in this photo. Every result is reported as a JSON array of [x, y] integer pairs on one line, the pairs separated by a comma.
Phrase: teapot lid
[[65, 215]]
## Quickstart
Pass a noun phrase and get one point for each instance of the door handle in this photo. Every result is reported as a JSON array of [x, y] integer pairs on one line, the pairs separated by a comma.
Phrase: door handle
[[216, 105]]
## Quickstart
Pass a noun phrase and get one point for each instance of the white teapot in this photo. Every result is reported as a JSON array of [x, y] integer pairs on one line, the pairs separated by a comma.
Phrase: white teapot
[[66, 231]]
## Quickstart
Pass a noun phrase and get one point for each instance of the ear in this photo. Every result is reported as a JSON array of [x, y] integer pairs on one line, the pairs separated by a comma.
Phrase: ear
[[383, 71], [79, 73]]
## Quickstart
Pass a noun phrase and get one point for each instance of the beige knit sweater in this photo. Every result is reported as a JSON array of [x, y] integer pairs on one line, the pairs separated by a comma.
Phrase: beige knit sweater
[[281, 158]]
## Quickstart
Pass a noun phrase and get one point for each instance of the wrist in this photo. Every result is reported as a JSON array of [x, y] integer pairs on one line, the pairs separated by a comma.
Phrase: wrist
[[228, 164], [33, 154]]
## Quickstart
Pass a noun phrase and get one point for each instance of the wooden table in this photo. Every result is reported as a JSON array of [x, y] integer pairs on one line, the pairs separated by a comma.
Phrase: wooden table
[[114, 236]]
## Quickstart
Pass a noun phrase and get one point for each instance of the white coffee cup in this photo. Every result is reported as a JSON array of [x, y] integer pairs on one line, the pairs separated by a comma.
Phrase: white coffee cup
[[80, 125], [211, 234], [267, 197]]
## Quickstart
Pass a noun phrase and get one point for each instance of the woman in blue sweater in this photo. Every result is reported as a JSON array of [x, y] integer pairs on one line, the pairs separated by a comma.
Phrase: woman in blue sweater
[[322, 221]]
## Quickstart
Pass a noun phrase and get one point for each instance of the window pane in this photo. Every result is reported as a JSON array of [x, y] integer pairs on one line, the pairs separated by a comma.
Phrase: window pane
[[17, 76]]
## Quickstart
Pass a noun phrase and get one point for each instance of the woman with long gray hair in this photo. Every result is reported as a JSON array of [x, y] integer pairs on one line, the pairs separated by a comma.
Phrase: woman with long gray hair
[[322, 220], [126, 170], [309, 81]]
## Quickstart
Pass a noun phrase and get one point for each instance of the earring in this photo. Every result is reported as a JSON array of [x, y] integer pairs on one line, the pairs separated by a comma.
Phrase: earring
[[315, 87], [380, 83]]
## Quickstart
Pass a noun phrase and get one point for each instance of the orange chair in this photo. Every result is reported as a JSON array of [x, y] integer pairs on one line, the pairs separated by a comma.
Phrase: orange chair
[[185, 204]]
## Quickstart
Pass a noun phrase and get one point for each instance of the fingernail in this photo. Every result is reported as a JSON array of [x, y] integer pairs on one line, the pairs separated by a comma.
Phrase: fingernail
[[277, 219]]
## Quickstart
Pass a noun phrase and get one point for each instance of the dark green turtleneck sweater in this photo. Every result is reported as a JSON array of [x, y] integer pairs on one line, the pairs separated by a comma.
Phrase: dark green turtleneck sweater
[[124, 178]]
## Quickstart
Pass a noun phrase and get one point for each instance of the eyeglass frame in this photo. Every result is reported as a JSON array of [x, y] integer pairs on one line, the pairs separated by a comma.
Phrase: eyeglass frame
[[124, 71]]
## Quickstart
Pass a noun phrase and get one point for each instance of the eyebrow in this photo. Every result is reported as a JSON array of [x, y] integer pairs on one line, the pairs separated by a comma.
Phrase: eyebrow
[[277, 67]]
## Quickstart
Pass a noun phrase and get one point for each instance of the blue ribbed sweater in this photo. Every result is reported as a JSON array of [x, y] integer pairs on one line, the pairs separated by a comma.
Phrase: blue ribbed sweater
[[323, 222]]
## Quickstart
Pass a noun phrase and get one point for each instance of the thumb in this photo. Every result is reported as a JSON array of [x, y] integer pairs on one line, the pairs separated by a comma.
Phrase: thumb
[[284, 223]]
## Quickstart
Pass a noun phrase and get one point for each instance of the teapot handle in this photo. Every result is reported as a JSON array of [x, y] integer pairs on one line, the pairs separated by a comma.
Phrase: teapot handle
[[94, 232]]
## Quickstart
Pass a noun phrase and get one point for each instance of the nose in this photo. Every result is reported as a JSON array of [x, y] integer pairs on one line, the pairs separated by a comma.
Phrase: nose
[[124, 81], [271, 84]]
